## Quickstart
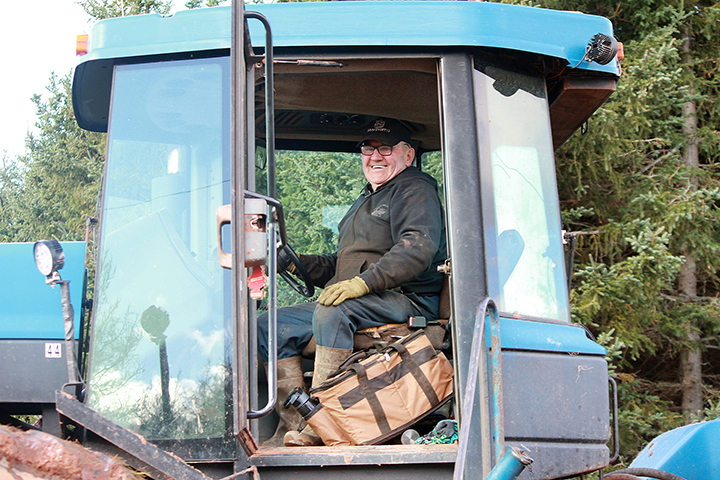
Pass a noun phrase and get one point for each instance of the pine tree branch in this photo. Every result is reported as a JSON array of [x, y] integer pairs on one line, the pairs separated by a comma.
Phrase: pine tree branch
[[658, 160], [685, 298]]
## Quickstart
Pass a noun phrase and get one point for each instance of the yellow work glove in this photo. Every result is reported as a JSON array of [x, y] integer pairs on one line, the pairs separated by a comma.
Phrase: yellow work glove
[[336, 294]]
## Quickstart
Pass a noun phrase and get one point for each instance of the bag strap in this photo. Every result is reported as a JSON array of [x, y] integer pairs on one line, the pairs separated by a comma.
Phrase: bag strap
[[416, 372], [369, 393], [345, 365], [355, 357]]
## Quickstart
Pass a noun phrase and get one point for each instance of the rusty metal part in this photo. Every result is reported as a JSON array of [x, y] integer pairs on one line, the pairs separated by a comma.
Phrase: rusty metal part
[[134, 449], [445, 267], [645, 472]]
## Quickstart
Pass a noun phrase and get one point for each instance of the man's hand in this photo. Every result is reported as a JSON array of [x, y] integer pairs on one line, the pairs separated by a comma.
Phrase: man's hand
[[284, 261], [336, 294]]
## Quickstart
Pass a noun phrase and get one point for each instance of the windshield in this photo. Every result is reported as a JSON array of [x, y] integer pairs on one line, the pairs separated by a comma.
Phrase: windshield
[[160, 350]]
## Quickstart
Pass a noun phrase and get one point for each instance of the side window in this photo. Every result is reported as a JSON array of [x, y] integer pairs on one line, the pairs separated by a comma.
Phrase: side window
[[526, 274]]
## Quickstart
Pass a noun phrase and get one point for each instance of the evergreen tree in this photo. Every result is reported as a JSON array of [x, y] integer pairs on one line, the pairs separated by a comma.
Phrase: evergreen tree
[[101, 9], [51, 190], [10, 201], [642, 187]]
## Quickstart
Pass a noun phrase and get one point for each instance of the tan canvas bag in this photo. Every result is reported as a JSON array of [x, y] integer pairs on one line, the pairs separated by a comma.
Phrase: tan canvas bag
[[376, 398]]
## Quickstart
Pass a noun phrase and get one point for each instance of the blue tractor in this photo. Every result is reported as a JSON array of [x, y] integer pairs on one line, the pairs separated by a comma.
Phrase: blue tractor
[[488, 90]]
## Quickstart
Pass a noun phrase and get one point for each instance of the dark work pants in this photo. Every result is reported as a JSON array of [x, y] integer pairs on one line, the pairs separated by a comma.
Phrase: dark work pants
[[335, 326]]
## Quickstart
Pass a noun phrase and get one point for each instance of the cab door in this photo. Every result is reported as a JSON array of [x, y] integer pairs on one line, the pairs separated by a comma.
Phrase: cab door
[[241, 69], [254, 220]]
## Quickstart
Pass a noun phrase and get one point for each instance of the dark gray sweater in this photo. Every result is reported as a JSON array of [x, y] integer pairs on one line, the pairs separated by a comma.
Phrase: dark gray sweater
[[393, 238]]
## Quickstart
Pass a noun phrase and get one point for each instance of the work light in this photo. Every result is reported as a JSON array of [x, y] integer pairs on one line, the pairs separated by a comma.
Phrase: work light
[[49, 256]]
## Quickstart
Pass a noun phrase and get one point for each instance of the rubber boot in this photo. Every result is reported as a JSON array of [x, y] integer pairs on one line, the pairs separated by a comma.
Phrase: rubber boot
[[327, 360], [290, 375]]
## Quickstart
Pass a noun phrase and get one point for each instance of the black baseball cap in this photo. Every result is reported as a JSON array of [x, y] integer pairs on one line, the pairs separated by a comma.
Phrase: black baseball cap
[[386, 130]]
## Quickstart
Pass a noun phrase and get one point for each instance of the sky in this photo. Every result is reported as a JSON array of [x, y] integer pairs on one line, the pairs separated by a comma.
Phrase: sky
[[37, 38]]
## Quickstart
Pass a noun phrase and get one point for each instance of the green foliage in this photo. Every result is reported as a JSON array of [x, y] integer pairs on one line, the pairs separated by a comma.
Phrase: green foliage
[[309, 181], [712, 411], [432, 165], [50, 191], [645, 209], [190, 4], [11, 182], [643, 416], [102, 9], [315, 188], [626, 296]]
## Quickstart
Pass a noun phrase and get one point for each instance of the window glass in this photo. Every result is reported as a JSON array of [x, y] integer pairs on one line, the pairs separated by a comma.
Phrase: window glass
[[526, 274], [161, 343]]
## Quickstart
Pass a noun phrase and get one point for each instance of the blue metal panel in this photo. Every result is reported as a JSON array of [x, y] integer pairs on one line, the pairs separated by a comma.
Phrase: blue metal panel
[[360, 24], [692, 452], [557, 405], [139, 35], [546, 337], [31, 309]]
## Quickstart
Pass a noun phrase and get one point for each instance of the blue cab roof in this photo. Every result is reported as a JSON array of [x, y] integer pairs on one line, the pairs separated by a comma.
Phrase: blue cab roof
[[341, 26], [559, 34]]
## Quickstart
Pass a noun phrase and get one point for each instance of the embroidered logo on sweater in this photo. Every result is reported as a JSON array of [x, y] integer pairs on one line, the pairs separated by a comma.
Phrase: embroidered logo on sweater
[[380, 211]]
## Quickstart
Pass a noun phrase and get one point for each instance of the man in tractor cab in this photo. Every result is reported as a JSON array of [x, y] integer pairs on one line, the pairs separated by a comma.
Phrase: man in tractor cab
[[384, 270]]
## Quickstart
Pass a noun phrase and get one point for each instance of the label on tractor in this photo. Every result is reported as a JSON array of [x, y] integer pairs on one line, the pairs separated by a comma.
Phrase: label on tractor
[[53, 350]]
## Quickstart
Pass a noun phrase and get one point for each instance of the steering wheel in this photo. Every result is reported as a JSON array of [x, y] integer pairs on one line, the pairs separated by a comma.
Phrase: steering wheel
[[287, 256]]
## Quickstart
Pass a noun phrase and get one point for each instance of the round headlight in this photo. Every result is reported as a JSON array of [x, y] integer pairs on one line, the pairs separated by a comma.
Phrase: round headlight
[[49, 256]]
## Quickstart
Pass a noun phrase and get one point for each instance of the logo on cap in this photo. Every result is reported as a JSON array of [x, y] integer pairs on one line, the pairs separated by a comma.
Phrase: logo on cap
[[379, 126]]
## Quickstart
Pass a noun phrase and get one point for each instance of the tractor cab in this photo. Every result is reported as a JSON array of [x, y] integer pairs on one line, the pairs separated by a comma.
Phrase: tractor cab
[[228, 129]]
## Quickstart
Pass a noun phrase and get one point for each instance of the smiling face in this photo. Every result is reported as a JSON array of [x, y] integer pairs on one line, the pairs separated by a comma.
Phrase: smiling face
[[379, 169]]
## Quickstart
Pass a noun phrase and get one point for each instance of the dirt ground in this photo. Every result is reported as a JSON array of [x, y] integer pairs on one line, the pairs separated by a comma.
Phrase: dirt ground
[[36, 455]]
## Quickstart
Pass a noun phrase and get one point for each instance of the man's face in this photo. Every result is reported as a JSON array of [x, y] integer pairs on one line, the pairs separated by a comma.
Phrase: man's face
[[379, 169]]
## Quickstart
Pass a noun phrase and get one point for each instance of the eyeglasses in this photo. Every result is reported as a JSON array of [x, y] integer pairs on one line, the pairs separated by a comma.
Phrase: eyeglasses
[[384, 150]]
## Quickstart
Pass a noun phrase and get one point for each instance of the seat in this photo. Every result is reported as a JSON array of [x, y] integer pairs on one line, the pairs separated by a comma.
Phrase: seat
[[378, 337]]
